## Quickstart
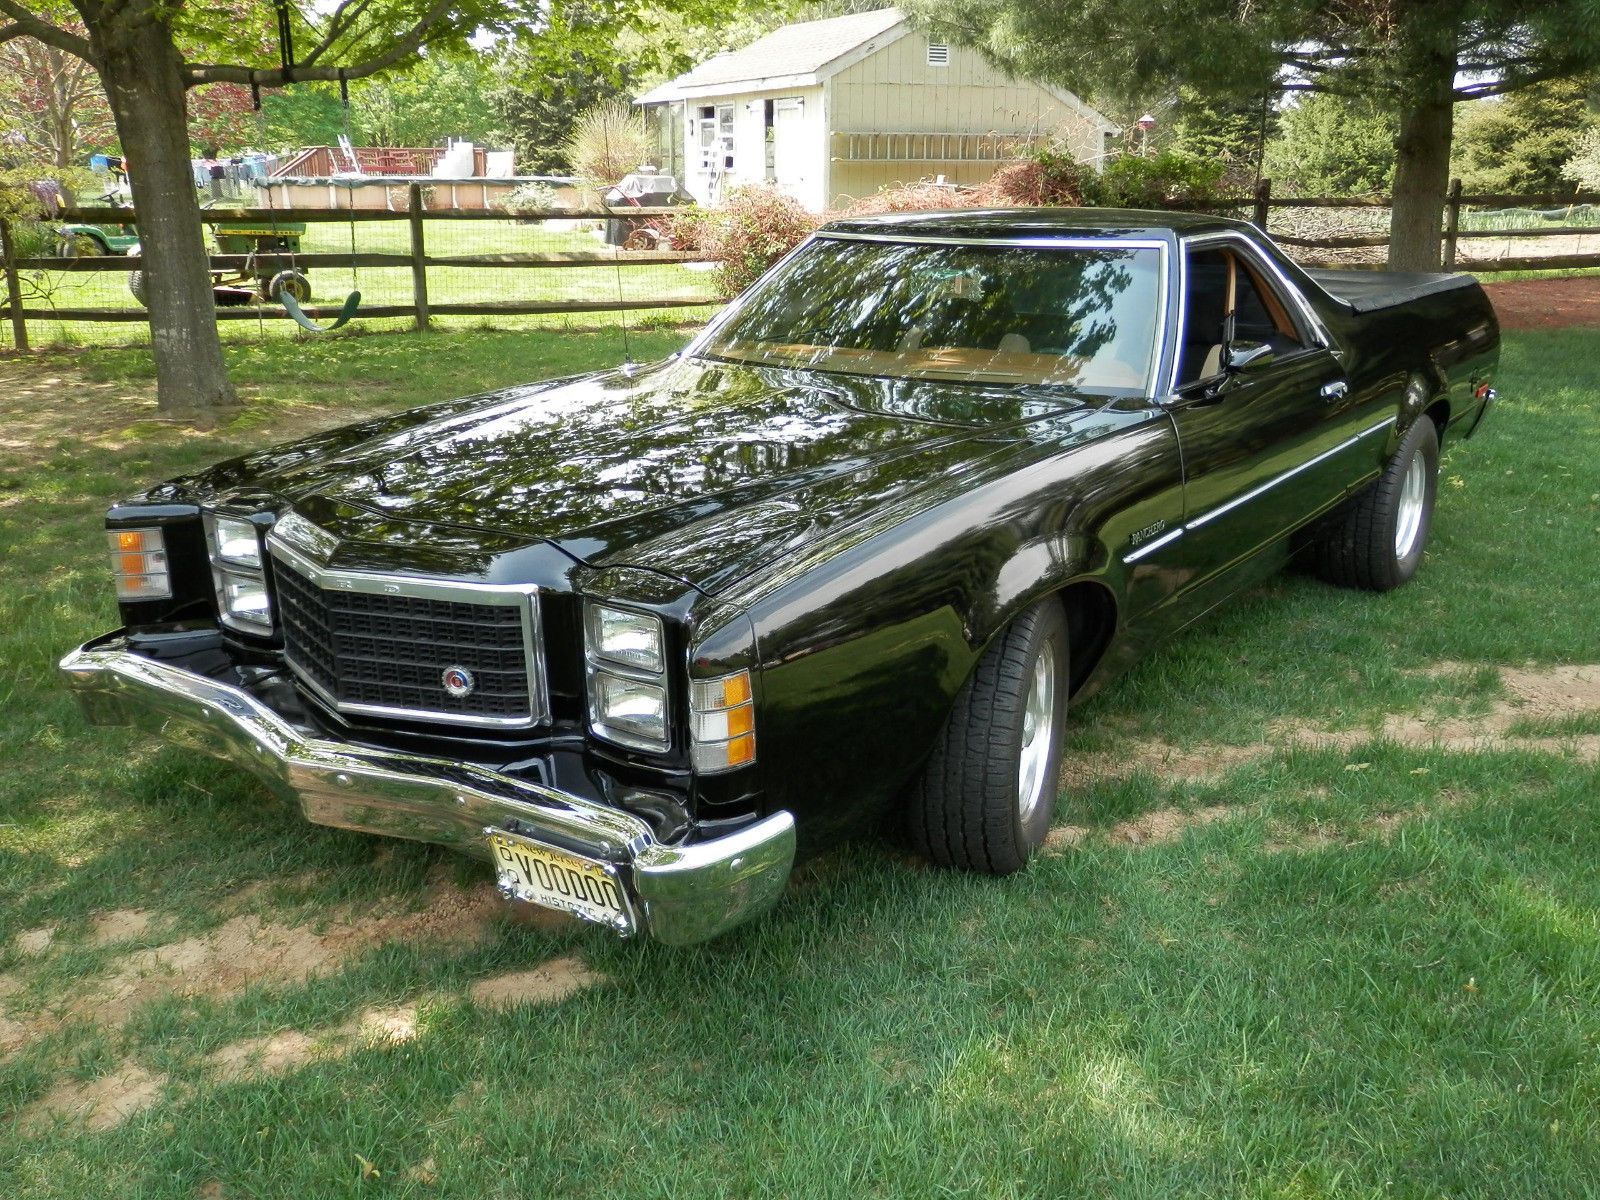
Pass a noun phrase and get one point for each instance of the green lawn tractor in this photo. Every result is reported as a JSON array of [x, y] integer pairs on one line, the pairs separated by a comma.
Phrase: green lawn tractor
[[268, 273]]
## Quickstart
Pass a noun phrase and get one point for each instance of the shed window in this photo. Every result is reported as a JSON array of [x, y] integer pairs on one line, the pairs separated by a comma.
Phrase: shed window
[[938, 54]]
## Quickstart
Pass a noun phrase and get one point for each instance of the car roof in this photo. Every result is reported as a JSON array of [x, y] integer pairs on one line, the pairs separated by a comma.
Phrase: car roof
[[1036, 222]]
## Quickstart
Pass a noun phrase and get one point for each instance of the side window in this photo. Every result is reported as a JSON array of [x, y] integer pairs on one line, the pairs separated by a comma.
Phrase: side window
[[1260, 314], [1227, 297]]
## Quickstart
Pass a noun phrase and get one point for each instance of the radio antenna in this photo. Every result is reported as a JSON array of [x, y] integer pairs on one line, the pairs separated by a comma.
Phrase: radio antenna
[[616, 263]]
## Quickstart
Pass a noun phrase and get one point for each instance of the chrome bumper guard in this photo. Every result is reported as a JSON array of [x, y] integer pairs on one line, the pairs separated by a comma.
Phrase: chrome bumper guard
[[681, 894]]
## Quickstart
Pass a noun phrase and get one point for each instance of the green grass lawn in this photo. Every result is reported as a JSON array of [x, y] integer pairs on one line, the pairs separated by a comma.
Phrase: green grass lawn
[[1313, 955], [392, 285]]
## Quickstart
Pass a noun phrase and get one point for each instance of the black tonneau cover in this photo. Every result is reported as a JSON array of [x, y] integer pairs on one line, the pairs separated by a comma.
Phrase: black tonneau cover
[[1368, 291]]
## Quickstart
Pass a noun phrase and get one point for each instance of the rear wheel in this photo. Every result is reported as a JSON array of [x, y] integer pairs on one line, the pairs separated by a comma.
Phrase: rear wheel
[[1376, 539], [136, 285], [289, 281], [986, 796]]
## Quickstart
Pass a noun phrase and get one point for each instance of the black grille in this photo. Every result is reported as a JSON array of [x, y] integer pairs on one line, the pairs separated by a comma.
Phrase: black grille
[[393, 651]]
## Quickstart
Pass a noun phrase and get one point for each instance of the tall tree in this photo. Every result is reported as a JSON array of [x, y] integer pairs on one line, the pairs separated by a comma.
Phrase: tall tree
[[443, 95], [53, 99], [222, 118], [1333, 146], [1417, 58], [149, 54], [1519, 143]]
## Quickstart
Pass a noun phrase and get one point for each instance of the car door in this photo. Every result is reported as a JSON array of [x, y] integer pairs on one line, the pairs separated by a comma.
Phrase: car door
[[1262, 443]]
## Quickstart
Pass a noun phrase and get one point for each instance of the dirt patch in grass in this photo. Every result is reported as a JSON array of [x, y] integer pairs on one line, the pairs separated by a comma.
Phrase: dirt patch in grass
[[242, 952], [1547, 303], [545, 984], [122, 925], [99, 1104], [1532, 693], [107, 1101], [1158, 827], [34, 942], [246, 951]]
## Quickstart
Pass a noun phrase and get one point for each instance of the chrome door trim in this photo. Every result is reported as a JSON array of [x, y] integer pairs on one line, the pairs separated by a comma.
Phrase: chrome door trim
[[1228, 506]]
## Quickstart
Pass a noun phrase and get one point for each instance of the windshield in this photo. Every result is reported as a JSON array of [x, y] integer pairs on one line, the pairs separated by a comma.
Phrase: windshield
[[1078, 318]]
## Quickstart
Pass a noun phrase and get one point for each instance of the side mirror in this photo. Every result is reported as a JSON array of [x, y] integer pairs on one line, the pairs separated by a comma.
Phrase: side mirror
[[1246, 356]]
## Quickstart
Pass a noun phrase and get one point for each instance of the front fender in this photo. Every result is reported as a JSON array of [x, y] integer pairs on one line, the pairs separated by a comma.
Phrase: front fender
[[865, 644]]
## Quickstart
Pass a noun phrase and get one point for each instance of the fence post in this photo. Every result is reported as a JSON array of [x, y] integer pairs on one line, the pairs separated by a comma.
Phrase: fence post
[[8, 253], [419, 266], [1263, 202], [1452, 224]]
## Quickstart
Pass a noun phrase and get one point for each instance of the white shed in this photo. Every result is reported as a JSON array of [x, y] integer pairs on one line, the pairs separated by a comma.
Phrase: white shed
[[836, 109]]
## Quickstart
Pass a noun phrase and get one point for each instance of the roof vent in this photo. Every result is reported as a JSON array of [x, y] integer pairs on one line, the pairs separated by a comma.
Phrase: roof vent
[[938, 54]]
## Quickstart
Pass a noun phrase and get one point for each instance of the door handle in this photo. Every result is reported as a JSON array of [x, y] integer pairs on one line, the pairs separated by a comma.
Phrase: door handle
[[1336, 390]]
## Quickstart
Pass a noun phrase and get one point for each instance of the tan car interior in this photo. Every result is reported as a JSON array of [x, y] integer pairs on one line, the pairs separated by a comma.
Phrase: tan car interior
[[1228, 300]]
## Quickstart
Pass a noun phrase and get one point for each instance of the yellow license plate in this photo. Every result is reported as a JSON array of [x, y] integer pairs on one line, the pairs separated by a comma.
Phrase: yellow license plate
[[551, 878]]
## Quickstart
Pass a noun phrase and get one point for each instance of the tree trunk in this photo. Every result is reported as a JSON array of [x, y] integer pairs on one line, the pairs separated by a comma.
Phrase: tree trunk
[[1422, 157], [141, 69]]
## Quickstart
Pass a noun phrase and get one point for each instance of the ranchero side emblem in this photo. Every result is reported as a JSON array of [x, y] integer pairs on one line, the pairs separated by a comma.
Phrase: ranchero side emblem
[[458, 681]]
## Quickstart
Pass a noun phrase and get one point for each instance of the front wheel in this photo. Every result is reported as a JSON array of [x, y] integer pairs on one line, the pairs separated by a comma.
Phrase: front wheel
[[1376, 539], [78, 245], [987, 793]]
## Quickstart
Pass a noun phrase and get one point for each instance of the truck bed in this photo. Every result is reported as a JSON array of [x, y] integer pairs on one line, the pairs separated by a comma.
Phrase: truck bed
[[1371, 291]]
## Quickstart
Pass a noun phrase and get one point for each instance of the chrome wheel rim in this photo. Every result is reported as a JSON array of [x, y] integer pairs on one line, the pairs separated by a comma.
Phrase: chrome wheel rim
[[1413, 496], [1038, 734]]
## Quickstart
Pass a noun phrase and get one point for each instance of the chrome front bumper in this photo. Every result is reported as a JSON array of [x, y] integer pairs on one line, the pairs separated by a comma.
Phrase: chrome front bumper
[[682, 894]]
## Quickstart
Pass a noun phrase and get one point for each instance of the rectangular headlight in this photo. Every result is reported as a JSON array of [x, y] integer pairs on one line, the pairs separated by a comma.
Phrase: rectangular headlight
[[236, 570], [245, 603], [237, 542], [630, 639], [139, 564], [630, 712]]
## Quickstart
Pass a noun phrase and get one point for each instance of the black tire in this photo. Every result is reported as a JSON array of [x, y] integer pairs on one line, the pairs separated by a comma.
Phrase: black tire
[[966, 810], [1356, 546], [290, 281], [136, 286], [79, 245]]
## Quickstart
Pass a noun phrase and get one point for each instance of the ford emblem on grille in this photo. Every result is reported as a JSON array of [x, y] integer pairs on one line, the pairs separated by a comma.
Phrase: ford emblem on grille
[[458, 681]]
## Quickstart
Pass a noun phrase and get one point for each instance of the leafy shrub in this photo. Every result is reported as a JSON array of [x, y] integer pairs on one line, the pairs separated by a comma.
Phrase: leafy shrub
[[1136, 181], [1583, 168], [530, 197], [751, 230], [681, 229]]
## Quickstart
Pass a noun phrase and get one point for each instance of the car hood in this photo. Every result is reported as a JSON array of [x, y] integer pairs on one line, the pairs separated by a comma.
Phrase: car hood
[[701, 470]]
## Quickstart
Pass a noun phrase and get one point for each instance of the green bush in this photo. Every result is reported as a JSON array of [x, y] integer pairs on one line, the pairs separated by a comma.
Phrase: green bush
[[530, 197], [1155, 181]]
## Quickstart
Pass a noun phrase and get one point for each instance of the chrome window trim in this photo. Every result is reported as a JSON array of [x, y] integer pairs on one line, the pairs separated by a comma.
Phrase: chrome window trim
[[522, 596], [1228, 506], [1323, 340], [1029, 242]]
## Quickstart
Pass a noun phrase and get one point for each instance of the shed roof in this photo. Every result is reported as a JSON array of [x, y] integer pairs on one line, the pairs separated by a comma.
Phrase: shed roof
[[808, 48]]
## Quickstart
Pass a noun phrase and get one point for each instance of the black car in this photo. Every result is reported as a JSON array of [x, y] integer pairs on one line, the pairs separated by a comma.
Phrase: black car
[[637, 637]]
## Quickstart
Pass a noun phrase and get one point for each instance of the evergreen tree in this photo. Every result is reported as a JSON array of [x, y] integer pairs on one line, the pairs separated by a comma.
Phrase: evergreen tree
[[1415, 58]]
